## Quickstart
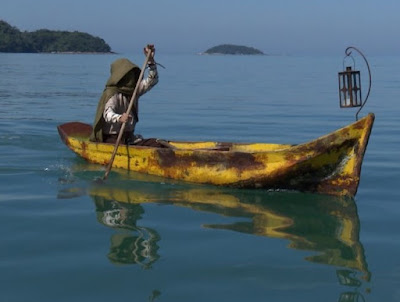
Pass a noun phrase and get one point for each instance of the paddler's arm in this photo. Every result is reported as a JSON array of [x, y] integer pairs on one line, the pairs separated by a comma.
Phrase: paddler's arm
[[152, 76]]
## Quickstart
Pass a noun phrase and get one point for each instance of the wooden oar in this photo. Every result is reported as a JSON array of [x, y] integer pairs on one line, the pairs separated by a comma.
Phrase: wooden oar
[[132, 101]]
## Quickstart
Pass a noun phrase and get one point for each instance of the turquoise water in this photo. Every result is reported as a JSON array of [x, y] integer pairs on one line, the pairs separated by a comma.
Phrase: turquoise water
[[139, 238]]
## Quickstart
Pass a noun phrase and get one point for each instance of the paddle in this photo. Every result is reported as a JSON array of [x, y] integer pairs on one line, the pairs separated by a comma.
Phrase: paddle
[[132, 101]]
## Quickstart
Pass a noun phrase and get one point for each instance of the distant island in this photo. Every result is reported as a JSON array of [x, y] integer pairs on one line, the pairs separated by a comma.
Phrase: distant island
[[229, 49], [12, 40]]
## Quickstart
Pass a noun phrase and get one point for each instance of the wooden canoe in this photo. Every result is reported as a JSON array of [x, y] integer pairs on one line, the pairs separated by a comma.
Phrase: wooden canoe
[[330, 164]]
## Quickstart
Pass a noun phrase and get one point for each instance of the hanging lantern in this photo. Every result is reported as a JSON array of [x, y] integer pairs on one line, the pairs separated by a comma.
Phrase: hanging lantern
[[350, 85], [350, 88]]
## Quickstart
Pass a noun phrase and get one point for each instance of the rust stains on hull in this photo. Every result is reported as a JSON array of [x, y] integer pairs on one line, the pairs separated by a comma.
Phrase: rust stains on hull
[[330, 164], [232, 160]]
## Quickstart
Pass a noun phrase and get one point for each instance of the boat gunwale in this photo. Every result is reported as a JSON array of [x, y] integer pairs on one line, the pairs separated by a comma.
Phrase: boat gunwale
[[219, 146]]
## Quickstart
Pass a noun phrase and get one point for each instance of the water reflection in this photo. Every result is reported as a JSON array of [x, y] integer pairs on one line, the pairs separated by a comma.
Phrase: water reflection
[[348, 278], [324, 224], [139, 245], [329, 227]]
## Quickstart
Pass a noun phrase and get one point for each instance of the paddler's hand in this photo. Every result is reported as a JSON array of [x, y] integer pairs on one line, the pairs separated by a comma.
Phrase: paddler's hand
[[124, 118], [150, 47]]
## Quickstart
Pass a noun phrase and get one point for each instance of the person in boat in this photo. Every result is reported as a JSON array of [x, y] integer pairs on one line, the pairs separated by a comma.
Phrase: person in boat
[[114, 102]]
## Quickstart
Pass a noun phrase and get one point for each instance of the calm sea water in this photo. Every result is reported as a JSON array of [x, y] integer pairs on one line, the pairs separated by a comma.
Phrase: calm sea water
[[138, 238]]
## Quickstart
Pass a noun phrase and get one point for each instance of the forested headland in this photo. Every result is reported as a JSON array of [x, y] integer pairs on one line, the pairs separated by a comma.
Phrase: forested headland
[[49, 41]]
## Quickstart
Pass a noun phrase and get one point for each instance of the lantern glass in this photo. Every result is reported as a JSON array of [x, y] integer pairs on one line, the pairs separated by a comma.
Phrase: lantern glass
[[350, 88]]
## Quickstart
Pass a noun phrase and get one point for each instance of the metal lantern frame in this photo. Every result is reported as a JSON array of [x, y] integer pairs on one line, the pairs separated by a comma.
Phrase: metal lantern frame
[[350, 88], [350, 84]]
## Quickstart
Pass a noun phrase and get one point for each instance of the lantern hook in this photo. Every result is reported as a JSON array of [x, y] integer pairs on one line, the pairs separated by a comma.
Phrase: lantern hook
[[348, 52]]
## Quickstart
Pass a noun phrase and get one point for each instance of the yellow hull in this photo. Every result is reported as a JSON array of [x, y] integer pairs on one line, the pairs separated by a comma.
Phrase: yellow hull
[[330, 164]]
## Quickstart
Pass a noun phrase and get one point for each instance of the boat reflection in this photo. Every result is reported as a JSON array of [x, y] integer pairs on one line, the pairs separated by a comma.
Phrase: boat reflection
[[133, 244], [326, 225]]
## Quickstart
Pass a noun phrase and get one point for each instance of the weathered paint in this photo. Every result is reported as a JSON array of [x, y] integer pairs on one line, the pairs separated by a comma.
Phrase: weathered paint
[[330, 164]]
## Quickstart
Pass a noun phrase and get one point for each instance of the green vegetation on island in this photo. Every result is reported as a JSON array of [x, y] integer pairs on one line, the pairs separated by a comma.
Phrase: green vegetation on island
[[49, 41], [229, 49]]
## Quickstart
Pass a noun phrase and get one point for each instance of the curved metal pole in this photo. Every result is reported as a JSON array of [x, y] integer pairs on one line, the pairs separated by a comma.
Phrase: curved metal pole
[[348, 53]]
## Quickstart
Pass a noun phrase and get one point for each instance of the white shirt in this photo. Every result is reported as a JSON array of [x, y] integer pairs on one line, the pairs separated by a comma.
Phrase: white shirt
[[119, 103]]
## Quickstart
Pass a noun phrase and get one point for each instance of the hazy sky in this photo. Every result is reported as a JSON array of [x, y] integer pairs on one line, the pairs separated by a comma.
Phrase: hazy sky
[[273, 26]]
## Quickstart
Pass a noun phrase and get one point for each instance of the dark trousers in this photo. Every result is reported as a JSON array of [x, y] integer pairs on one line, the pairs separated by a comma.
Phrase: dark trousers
[[129, 139], [126, 138]]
